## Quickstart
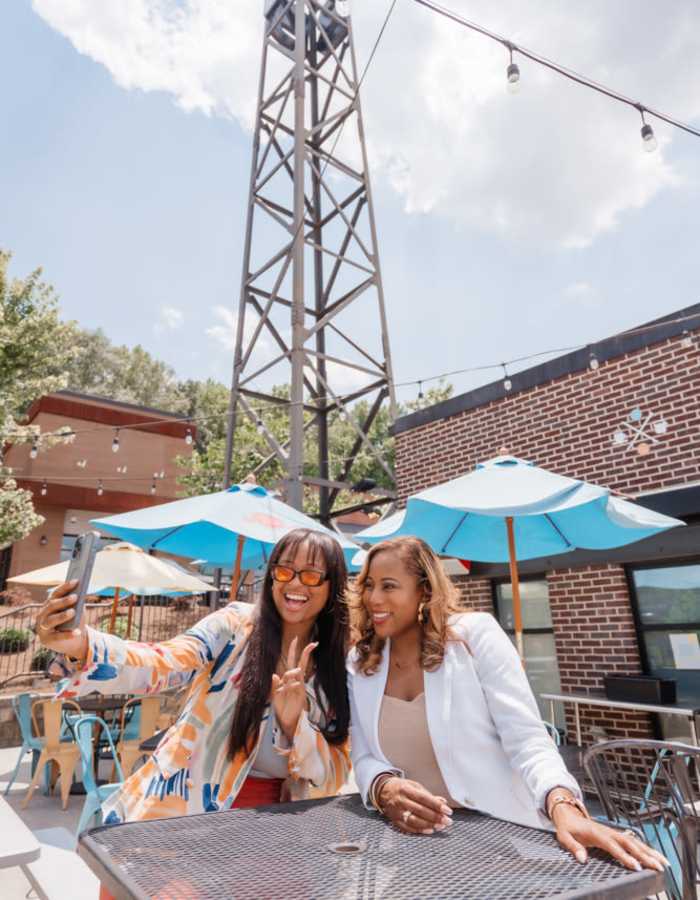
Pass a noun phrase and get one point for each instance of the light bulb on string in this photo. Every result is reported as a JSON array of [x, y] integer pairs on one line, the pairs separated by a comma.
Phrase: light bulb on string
[[115, 442], [34, 452], [44, 488], [153, 486], [421, 395], [507, 383], [593, 362], [648, 138], [512, 74], [259, 427], [100, 489], [188, 436], [161, 474]]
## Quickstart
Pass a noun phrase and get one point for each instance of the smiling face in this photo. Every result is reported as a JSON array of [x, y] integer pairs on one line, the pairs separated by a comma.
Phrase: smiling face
[[296, 602], [391, 595]]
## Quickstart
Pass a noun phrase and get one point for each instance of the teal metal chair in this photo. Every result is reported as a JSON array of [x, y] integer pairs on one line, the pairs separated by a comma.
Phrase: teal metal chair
[[22, 707], [95, 793], [553, 731]]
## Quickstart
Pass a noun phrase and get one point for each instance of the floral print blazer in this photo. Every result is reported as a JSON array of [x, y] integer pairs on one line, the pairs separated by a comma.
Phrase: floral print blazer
[[190, 771]]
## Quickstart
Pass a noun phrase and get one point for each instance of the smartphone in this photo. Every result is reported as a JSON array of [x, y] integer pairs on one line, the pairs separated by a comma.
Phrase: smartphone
[[80, 569]]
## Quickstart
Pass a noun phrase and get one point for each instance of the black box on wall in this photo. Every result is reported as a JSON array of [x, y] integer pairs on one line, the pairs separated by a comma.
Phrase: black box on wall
[[640, 688]]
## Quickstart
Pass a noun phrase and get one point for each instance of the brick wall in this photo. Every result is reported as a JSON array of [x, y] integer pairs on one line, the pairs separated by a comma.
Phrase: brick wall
[[594, 636], [567, 425], [475, 593]]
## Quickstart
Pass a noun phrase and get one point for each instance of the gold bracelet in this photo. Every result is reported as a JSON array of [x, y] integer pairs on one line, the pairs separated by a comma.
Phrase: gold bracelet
[[570, 801], [376, 787]]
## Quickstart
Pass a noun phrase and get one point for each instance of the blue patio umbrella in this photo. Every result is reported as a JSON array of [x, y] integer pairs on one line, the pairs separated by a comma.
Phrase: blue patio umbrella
[[509, 509], [244, 521]]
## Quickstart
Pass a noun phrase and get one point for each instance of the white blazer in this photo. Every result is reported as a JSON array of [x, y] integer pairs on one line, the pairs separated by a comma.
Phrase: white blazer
[[493, 751]]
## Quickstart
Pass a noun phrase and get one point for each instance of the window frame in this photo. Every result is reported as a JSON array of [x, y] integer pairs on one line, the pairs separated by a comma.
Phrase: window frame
[[641, 627]]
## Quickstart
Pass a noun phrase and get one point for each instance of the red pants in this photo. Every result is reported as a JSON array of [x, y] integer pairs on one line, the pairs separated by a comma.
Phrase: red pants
[[255, 792]]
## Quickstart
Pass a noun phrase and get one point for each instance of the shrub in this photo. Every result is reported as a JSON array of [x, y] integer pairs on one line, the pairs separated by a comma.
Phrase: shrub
[[41, 659], [14, 640]]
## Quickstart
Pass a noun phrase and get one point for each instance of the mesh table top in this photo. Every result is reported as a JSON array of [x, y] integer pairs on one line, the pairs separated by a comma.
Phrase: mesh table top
[[283, 852]]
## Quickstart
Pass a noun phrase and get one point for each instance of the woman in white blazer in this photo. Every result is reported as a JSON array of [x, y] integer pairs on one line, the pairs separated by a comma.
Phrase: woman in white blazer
[[443, 716]]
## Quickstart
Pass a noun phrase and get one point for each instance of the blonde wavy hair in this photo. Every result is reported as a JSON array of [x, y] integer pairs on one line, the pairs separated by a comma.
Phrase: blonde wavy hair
[[441, 600]]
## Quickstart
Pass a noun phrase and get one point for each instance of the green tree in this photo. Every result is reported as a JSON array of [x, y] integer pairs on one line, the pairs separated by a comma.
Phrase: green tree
[[35, 349], [129, 374]]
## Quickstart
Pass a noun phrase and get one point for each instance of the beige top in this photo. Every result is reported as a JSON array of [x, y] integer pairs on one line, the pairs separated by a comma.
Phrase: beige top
[[405, 741]]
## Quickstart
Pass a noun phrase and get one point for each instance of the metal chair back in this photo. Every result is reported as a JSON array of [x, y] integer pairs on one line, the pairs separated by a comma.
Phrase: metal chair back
[[651, 787], [84, 738]]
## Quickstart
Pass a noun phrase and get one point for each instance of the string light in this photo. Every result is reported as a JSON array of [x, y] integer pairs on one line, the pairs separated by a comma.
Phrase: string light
[[648, 139], [593, 362], [122, 470], [188, 436], [34, 452], [81, 463], [507, 383], [512, 73], [153, 486], [420, 390], [647, 133], [44, 488], [115, 442], [100, 489], [259, 427]]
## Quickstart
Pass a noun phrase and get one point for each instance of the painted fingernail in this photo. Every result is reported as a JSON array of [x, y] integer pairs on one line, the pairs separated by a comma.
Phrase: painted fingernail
[[446, 811], [427, 831], [446, 823], [440, 827], [581, 856], [637, 866]]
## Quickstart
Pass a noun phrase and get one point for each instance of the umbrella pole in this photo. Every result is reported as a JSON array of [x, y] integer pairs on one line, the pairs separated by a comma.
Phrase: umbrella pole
[[128, 619], [236, 577], [515, 584], [115, 603]]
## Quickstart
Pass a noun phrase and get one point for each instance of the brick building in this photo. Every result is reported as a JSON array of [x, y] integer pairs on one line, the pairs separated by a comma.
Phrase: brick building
[[74, 482], [590, 613]]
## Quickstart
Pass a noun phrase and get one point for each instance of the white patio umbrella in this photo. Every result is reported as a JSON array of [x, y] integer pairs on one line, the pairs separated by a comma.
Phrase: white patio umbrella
[[122, 567]]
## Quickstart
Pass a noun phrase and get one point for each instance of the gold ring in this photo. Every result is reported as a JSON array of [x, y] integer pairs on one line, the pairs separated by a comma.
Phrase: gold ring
[[629, 833], [405, 816]]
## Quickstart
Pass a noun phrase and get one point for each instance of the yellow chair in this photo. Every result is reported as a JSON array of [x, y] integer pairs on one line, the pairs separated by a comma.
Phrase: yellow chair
[[143, 724], [64, 754]]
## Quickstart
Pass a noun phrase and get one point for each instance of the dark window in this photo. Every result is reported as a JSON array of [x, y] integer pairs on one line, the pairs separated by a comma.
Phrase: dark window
[[666, 602], [538, 638]]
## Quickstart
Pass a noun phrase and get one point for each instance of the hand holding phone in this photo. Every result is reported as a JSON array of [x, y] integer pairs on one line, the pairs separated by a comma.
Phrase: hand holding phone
[[80, 569], [59, 625]]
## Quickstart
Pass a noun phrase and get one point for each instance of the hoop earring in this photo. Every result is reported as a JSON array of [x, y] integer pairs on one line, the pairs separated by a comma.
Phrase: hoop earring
[[421, 613]]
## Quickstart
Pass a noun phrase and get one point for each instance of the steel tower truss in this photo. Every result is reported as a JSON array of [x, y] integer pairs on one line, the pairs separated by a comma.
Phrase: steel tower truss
[[311, 311]]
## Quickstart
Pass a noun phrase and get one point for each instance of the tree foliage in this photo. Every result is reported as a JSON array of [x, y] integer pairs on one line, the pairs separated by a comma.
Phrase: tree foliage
[[35, 348]]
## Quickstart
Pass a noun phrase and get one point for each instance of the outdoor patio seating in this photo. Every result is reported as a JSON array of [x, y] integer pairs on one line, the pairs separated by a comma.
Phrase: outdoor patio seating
[[651, 787], [95, 793], [55, 746]]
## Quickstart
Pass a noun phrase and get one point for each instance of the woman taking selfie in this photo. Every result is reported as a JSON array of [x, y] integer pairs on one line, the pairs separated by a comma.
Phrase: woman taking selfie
[[443, 716], [267, 712]]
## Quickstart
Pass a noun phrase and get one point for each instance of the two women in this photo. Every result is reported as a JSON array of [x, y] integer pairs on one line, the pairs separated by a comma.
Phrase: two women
[[267, 713], [442, 714]]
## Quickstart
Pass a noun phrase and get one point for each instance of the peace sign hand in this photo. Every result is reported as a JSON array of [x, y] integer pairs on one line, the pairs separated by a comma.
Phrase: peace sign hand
[[289, 691]]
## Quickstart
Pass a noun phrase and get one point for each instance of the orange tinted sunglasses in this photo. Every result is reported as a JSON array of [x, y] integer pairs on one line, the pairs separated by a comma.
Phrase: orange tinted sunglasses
[[308, 577]]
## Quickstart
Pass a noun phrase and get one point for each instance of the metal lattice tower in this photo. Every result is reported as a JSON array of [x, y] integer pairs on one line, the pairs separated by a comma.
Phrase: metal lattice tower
[[311, 290]]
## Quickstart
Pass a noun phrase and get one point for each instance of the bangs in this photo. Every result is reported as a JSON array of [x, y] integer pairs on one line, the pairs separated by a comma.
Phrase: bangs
[[319, 550]]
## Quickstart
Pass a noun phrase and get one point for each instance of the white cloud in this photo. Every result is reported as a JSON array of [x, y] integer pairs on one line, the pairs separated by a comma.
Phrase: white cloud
[[554, 165], [171, 317], [225, 330]]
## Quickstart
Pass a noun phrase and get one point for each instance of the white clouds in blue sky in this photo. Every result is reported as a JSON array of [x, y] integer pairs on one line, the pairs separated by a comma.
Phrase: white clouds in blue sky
[[502, 219]]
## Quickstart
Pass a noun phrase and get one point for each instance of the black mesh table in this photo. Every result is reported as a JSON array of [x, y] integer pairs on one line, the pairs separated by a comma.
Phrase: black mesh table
[[303, 850]]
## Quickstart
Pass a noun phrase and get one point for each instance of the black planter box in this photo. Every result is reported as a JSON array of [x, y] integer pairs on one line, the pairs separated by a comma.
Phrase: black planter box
[[640, 688]]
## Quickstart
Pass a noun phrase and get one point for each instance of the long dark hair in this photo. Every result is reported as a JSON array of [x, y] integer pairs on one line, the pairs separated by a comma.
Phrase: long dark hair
[[265, 645]]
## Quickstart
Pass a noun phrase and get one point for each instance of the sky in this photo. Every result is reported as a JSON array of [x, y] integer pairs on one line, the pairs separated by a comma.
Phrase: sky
[[508, 225]]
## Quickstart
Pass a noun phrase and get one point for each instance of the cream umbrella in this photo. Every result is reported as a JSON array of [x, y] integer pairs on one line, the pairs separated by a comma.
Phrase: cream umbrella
[[122, 567]]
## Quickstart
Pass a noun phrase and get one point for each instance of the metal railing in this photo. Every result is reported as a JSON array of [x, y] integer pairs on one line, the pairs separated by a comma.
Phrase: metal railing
[[153, 619]]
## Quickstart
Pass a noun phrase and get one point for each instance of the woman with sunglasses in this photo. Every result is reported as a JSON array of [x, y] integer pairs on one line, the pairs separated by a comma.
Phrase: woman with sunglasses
[[267, 713]]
